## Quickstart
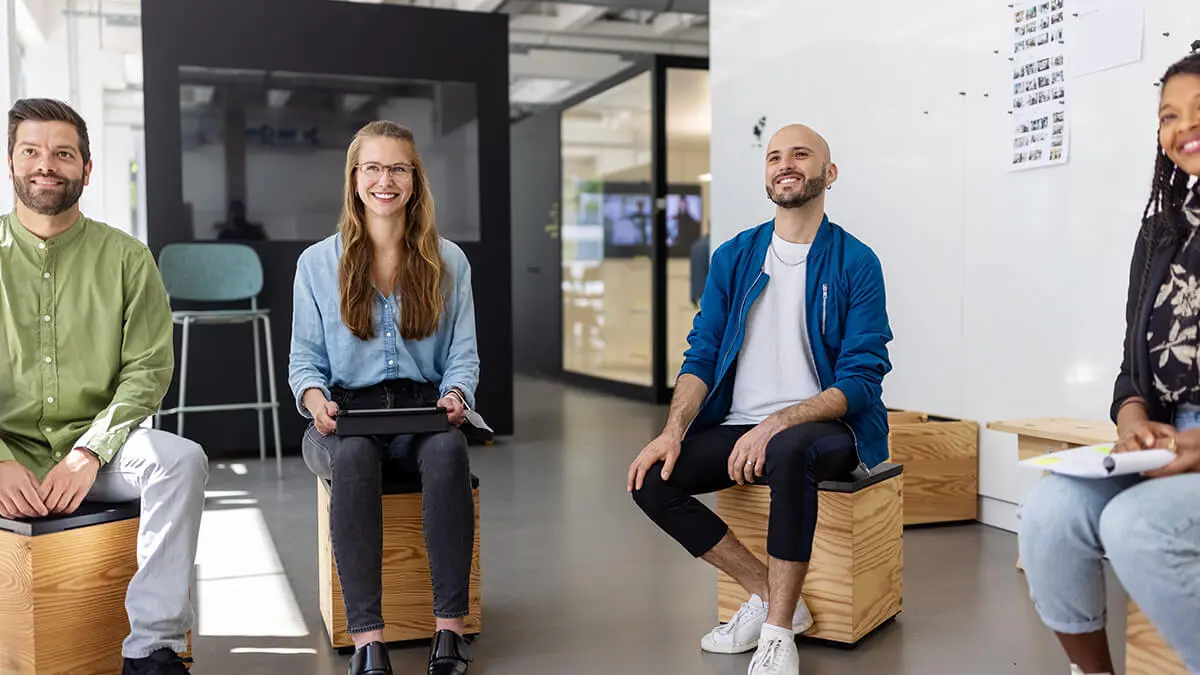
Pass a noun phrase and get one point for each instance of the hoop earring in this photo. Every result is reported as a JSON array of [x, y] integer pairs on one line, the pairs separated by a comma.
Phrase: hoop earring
[[828, 187]]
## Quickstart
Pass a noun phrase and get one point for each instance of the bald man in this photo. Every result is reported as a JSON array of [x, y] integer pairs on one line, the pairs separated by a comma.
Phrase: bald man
[[781, 385]]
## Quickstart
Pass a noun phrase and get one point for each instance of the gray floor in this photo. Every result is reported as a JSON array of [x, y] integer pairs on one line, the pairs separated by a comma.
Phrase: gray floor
[[577, 581]]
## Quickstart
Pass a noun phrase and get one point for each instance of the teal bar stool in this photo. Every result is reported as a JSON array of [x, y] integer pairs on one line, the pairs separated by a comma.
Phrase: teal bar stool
[[220, 272]]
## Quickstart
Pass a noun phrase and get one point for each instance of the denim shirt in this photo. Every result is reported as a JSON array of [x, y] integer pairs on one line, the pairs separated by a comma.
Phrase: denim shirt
[[326, 354]]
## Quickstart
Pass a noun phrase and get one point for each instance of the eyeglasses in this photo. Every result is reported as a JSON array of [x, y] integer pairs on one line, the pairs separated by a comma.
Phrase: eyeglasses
[[372, 171]]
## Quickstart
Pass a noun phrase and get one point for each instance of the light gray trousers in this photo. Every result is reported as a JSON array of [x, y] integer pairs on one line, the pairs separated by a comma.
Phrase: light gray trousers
[[167, 474]]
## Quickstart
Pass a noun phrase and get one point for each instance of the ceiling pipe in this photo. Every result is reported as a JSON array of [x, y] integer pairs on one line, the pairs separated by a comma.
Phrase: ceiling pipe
[[685, 6]]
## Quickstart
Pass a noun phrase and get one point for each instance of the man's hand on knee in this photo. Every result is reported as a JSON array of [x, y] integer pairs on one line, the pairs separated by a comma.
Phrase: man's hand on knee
[[69, 481], [749, 457], [663, 449], [19, 492]]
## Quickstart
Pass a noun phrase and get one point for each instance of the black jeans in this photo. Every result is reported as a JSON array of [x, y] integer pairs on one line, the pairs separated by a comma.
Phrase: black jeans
[[356, 466], [798, 459]]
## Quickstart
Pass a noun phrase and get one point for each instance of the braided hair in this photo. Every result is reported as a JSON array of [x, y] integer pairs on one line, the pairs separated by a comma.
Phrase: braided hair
[[1163, 220]]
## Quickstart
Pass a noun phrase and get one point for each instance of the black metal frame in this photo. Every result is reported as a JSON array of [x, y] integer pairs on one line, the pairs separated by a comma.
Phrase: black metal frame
[[661, 389]]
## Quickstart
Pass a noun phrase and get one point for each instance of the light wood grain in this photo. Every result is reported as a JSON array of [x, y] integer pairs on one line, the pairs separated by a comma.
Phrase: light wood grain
[[906, 417], [1146, 652], [16, 605], [855, 577], [67, 613], [1037, 437], [941, 469], [407, 586], [1069, 430]]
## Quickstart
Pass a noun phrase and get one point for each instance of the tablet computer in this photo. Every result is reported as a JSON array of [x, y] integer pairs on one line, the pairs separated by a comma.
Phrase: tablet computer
[[391, 421]]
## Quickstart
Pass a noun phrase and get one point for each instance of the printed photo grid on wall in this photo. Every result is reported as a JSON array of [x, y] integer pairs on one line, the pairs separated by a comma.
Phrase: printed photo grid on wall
[[1041, 128]]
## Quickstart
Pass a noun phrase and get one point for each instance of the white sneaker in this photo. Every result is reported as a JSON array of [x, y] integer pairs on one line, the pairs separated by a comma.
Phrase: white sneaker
[[742, 631], [777, 653]]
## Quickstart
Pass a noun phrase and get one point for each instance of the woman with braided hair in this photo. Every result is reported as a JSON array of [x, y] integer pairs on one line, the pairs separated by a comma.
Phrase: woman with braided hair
[[1147, 525]]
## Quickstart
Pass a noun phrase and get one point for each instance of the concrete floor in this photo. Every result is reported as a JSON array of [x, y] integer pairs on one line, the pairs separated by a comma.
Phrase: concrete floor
[[577, 581]]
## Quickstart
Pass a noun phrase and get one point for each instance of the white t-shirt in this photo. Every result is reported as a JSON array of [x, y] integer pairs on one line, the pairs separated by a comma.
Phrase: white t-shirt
[[775, 366]]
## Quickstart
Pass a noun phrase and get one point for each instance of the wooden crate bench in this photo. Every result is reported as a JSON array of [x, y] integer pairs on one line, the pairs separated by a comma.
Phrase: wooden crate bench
[[407, 586], [855, 579]]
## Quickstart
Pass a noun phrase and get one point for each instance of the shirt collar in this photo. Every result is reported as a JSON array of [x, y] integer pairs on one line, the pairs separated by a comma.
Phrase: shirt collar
[[27, 238]]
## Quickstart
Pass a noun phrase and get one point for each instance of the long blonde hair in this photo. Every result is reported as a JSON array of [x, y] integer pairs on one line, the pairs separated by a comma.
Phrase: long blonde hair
[[421, 269]]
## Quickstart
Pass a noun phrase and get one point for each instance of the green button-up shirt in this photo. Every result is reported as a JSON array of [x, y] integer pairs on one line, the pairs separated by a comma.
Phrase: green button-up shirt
[[87, 331]]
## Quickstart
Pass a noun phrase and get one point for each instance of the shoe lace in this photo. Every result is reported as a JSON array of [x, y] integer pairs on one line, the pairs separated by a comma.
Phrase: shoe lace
[[736, 620], [768, 656]]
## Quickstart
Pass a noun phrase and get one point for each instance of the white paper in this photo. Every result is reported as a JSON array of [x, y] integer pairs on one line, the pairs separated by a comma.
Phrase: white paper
[[1104, 34], [1041, 131], [1099, 461]]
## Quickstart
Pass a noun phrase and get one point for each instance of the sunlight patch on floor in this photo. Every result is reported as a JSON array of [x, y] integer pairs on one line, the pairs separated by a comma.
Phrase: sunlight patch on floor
[[241, 585]]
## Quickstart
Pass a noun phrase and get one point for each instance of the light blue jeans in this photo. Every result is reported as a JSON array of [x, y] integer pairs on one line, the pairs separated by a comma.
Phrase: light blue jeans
[[1150, 530]]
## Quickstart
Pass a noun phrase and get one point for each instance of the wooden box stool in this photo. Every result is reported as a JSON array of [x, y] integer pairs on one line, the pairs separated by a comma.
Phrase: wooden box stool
[[62, 590], [855, 579], [1146, 652], [940, 456], [407, 586]]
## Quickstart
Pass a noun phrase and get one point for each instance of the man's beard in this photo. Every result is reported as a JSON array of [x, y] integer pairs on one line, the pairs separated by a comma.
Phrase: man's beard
[[809, 191], [48, 202]]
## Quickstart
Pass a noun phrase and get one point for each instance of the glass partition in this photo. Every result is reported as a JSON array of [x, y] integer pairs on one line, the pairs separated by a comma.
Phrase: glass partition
[[689, 133], [607, 234], [264, 152]]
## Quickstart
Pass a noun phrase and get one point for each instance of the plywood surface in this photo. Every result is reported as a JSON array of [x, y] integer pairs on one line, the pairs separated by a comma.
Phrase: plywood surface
[[1065, 429], [854, 580], [66, 613], [941, 470], [1146, 652], [407, 586]]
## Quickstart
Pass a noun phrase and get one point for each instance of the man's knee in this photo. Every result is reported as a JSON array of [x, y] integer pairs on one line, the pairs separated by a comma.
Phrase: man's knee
[[788, 455], [653, 494], [179, 456]]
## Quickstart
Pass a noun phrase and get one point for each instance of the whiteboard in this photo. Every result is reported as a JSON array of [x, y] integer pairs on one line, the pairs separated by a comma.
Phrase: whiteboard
[[1006, 291]]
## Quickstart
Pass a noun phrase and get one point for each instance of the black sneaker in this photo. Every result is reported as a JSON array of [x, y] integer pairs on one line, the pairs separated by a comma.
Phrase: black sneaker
[[162, 662], [371, 659], [450, 654]]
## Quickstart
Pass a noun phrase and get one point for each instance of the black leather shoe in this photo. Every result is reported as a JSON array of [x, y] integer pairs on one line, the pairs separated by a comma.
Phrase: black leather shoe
[[162, 662], [450, 654], [371, 659]]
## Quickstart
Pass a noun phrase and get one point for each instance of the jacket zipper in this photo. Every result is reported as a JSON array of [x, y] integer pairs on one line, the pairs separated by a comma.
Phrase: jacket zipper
[[736, 333], [813, 362], [824, 305]]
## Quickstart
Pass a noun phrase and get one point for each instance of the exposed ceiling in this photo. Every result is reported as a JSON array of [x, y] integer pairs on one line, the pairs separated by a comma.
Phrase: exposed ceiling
[[556, 49]]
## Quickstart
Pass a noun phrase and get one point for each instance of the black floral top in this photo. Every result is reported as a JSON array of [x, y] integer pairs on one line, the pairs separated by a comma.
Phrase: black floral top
[[1174, 331]]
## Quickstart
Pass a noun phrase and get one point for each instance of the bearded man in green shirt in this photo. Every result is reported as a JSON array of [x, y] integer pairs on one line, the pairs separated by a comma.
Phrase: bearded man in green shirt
[[87, 328]]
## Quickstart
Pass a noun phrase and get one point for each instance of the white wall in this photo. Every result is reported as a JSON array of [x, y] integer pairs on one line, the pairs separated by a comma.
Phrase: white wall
[[64, 57], [1006, 290]]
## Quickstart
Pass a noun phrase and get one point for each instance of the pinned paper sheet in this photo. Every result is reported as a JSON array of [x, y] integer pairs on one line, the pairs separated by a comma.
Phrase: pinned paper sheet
[[1105, 34], [1099, 461]]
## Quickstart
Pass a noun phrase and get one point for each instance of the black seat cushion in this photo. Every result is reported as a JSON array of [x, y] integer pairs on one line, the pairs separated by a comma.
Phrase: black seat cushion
[[858, 481], [88, 513]]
